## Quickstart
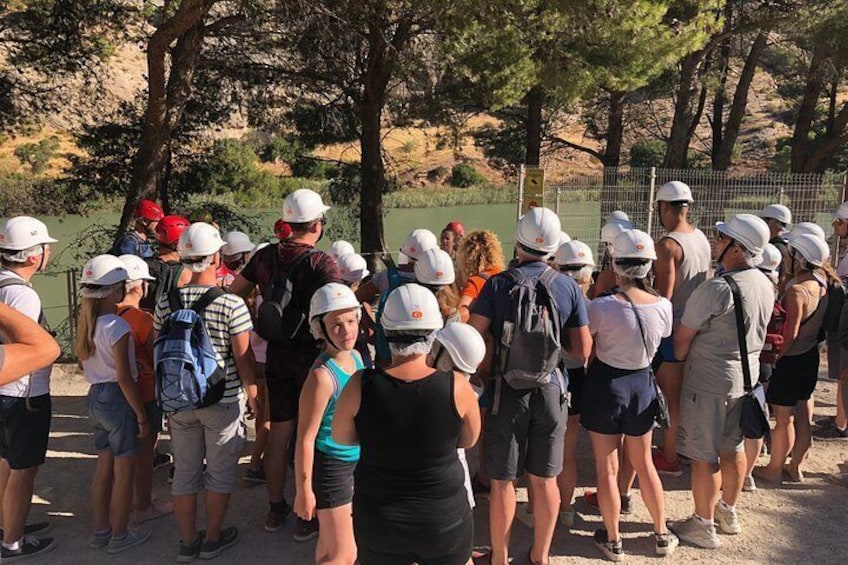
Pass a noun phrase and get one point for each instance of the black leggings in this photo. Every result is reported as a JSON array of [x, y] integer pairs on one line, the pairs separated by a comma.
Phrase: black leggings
[[384, 542]]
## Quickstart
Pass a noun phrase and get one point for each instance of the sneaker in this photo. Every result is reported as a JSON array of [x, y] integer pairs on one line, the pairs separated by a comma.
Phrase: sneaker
[[190, 551], [154, 511], [665, 467], [277, 516], [694, 531], [306, 530], [255, 475], [161, 460], [728, 520], [612, 549], [98, 540], [626, 502], [133, 537], [212, 549], [29, 547], [34, 529], [665, 544], [566, 518], [749, 485]]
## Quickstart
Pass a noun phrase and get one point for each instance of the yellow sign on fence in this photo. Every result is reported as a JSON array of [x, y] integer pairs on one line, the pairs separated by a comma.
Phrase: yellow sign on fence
[[534, 189]]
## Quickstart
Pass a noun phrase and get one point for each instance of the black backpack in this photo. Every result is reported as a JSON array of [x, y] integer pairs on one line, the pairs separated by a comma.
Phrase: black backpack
[[281, 316], [835, 300], [167, 278]]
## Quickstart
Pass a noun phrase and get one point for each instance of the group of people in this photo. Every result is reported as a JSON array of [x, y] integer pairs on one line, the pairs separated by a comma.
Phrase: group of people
[[377, 384]]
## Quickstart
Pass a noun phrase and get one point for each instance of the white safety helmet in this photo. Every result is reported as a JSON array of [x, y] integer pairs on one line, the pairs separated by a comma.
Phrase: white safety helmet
[[633, 244], [200, 240], [841, 212], [237, 242], [137, 269], [104, 270], [539, 230], [771, 259], [675, 191], [464, 344], [353, 267], [564, 237], [303, 206], [777, 212], [434, 267], [23, 232], [813, 249], [411, 307], [750, 231], [807, 228], [332, 297], [612, 230], [339, 249], [618, 216], [574, 253], [417, 242]]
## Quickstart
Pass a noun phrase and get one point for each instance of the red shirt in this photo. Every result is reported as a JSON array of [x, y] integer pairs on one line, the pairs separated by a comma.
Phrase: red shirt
[[141, 325]]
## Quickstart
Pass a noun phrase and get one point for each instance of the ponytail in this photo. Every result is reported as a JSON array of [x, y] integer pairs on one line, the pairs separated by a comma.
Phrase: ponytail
[[84, 347]]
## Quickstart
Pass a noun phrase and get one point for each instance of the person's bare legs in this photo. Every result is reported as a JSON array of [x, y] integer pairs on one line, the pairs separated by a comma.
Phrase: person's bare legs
[[706, 481], [276, 450], [262, 426], [638, 450], [336, 544], [122, 493], [733, 465], [185, 511], [670, 378], [841, 414], [501, 516], [803, 441], [626, 473], [567, 480], [216, 509], [144, 472], [605, 447], [545, 510], [782, 439], [101, 490], [17, 498], [753, 448]]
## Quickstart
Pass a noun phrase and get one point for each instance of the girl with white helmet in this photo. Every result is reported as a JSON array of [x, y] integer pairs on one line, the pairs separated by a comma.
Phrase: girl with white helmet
[[434, 270], [796, 371], [325, 468], [616, 225], [619, 394], [410, 504], [574, 259], [141, 326], [106, 351], [234, 256]]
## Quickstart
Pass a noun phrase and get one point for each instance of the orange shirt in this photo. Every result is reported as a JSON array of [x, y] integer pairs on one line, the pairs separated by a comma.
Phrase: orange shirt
[[475, 283], [141, 325]]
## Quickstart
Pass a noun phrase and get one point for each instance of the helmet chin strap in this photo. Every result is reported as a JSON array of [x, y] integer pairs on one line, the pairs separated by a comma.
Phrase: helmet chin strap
[[326, 333], [724, 251]]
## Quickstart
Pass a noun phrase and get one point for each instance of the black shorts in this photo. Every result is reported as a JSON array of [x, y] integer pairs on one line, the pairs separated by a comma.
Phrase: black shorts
[[332, 481], [575, 390], [794, 378], [387, 542], [766, 371], [286, 370], [24, 432], [618, 401], [154, 417]]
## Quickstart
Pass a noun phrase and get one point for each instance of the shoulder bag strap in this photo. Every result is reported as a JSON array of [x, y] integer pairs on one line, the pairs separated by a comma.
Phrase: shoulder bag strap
[[740, 331], [638, 321], [208, 297]]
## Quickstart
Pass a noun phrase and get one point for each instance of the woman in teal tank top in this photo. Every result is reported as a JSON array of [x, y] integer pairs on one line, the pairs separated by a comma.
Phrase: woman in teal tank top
[[324, 468]]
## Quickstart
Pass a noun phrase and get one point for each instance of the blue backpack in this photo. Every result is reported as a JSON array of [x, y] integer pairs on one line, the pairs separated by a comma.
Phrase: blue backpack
[[190, 374]]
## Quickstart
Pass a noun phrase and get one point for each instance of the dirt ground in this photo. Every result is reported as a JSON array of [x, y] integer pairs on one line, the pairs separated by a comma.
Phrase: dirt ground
[[799, 523]]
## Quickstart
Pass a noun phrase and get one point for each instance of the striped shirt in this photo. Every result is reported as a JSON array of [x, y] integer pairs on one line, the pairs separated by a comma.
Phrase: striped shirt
[[226, 317]]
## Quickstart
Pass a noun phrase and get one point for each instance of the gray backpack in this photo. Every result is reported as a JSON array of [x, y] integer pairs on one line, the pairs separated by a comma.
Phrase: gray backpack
[[529, 350]]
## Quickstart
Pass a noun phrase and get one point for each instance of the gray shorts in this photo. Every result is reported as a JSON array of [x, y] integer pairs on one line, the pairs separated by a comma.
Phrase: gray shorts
[[527, 434], [215, 434], [115, 424], [709, 425]]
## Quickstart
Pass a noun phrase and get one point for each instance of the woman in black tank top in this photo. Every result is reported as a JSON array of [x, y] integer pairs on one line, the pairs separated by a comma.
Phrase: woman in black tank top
[[410, 503]]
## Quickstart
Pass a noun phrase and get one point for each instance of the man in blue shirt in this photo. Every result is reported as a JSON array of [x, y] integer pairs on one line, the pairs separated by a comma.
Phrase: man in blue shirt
[[135, 242]]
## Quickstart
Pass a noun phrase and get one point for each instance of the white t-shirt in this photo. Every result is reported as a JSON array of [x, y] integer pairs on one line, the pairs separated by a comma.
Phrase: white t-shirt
[[618, 341], [25, 300], [101, 367]]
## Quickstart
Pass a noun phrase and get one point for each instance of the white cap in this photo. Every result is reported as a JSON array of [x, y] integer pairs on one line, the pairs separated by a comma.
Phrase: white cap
[[564, 238], [104, 270], [674, 191], [352, 267], [841, 212], [633, 244], [777, 212], [539, 230], [618, 216], [339, 248], [23, 232], [417, 242], [302, 206], [771, 259], [574, 253], [434, 267], [612, 230], [137, 269], [411, 307], [332, 297], [199, 240], [237, 242], [814, 249], [806, 228], [750, 231], [464, 344]]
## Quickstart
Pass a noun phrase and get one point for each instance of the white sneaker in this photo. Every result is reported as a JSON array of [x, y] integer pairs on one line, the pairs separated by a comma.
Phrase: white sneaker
[[728, 520], [749, 485], [665, 544], [694, 531]]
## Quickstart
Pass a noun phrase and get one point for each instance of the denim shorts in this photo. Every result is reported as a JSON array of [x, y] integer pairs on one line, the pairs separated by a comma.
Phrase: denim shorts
[[618, 401], [115, 424]]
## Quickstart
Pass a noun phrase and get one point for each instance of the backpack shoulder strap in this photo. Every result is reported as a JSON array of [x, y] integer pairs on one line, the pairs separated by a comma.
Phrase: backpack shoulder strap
[[12, 282], [515, 275], [280, 276], [208, 298], [740, 331], [175, 301], [547, 279]]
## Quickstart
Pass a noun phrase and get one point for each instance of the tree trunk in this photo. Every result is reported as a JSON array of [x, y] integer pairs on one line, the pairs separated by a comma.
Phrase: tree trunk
[[720, 98], [373, 180], [723, 156], [819, 155], [801, 143], [681, 125], [615, 130], [533, 143]]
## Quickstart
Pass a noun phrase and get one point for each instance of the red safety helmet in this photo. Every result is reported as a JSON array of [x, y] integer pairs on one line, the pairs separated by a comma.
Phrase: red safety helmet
[[456, 228], [149, 210], [170, 228], [282, 229]]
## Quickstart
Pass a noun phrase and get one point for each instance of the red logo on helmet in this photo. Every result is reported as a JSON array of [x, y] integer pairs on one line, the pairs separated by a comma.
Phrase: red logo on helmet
[[581, 254], [439, 274], [417, 314], [640, 247], [540, 240], [89, 273]]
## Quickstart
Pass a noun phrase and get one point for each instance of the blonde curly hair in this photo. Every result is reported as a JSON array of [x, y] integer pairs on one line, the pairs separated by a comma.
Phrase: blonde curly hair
[[479, 251]]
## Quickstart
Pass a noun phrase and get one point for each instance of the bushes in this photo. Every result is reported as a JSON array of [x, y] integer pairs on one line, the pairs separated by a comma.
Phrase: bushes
[[649, 153], [38, 155], [464, 175], [38, 197]]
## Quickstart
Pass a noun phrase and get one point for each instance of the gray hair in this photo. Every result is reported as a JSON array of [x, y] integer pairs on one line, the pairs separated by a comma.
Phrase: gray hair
[[582, 275], [21, 256], [410, 349]]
